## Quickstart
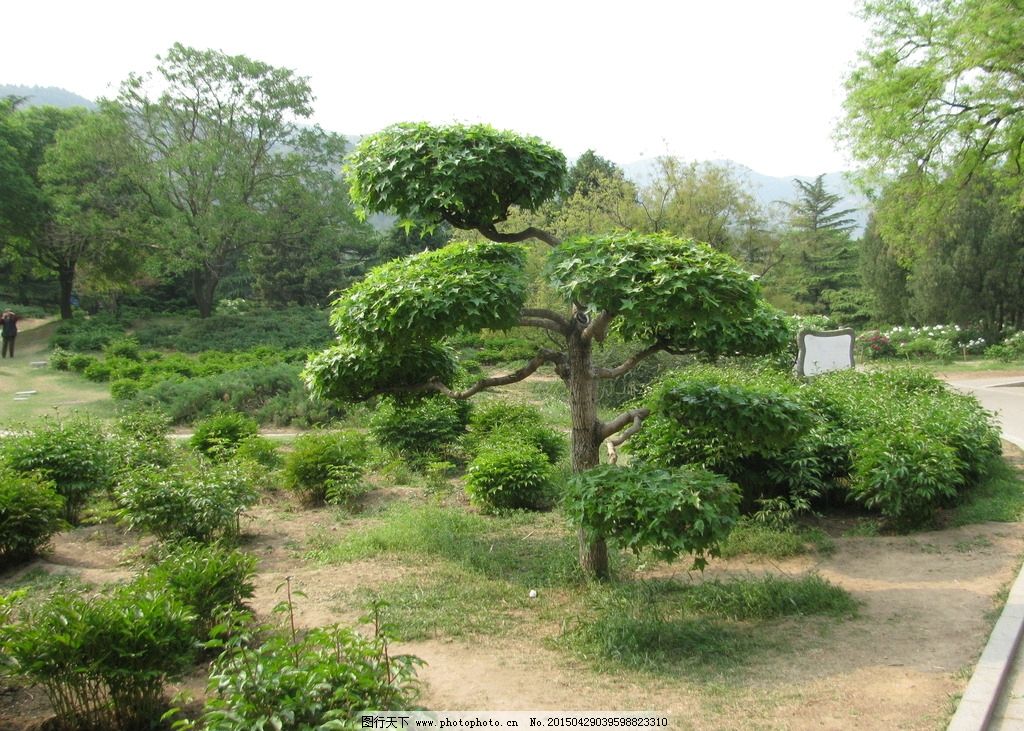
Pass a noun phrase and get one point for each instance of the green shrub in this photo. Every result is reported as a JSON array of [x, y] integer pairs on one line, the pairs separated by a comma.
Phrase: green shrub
[[280, 329], [260, 451], [189, 500], [502, 421], [30, 513], [124, 389], [79, 362], [74, 455], [321, 680], [316, 459], [668, 512], [86, 333], [218, 436], [510, 475], [126, 347], [59, 359], [742, 423], [97, 371], [271, 393], [420, 428], [211, 580], [1008, 351], [102, 661]]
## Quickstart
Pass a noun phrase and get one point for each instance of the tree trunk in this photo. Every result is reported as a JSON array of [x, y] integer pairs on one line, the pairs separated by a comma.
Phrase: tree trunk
[[66, 277], [586, 442], [204, 285]]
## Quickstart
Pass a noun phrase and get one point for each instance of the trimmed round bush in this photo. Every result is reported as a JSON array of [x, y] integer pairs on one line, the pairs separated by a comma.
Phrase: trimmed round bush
[[320, 458], [420, 428], [218, 436], [30, 513], [124, 389], [510, 475]]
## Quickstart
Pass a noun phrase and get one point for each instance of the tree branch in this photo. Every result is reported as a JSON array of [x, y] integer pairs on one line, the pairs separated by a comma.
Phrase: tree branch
[[542, 322], [630, 363], [543, 356], [489, 231], [637, 416], [598, 327], [546, 314], [617, 424]]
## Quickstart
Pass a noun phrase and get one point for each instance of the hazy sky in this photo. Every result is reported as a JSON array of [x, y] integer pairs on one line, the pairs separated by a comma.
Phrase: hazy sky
[[759, 82]]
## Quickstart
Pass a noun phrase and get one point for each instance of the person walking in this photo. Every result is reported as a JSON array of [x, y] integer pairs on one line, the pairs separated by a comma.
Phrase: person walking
[[9, 331]]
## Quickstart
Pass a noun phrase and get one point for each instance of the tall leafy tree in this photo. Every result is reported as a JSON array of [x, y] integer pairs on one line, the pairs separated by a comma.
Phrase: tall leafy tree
[[588, 171], [96, 219], [217, 141], [21, 147], [666, 293], [939, 87]]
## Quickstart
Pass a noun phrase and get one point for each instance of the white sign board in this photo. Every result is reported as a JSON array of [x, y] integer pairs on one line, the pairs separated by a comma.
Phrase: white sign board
[[821, 352]]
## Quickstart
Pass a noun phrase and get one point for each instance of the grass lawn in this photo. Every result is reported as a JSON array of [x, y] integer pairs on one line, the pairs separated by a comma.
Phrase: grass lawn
[[55, 392]]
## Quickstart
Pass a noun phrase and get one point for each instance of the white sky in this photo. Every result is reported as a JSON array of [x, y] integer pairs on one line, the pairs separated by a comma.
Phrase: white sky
[[759, 82]]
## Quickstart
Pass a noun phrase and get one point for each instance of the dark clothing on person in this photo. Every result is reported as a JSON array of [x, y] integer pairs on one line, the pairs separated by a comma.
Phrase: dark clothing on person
[[10, 330]]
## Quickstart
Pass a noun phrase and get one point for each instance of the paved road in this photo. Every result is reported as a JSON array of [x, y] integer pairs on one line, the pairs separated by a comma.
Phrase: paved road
[[994, 700]]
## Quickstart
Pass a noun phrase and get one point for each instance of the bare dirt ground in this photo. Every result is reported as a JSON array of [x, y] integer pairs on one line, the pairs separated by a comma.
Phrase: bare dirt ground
[[928, 604]]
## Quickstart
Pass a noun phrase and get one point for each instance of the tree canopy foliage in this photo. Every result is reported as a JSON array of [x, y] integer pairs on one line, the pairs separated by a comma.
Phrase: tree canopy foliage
[[939, 87]]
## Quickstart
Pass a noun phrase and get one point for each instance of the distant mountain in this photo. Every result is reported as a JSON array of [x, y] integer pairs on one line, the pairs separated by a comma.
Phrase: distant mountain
[[40, 96], [770, 190]]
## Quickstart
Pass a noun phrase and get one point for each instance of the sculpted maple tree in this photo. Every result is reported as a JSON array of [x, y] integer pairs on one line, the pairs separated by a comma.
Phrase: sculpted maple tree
[[664, 293]]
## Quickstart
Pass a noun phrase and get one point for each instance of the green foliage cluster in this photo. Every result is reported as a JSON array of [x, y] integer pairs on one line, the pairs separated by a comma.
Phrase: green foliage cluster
[[896, 441], [85, 334], [270, 393], [319, 680], [393, 319], [103, 660], [30, 513], [73, 454], [503, 421], [668, 512], [212, 580], [510, 475], [1010, 350], [322, 463], [219, 436], [191, 499], [465, 175], [744, 423], [419, 429]]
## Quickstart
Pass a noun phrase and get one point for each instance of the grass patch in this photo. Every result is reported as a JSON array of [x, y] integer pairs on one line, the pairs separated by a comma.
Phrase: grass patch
[[770, 597], [41, 584], [749, 538], [529, 551], [705, 629], [998, 498], [450, 603]]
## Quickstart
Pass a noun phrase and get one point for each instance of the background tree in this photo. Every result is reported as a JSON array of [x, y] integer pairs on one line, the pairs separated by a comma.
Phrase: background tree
[[939, 87], [95, 213], [821, 260], [311, 244], [216, 147], [587, 173], [933, 108], [665, 293], [20, 157]]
